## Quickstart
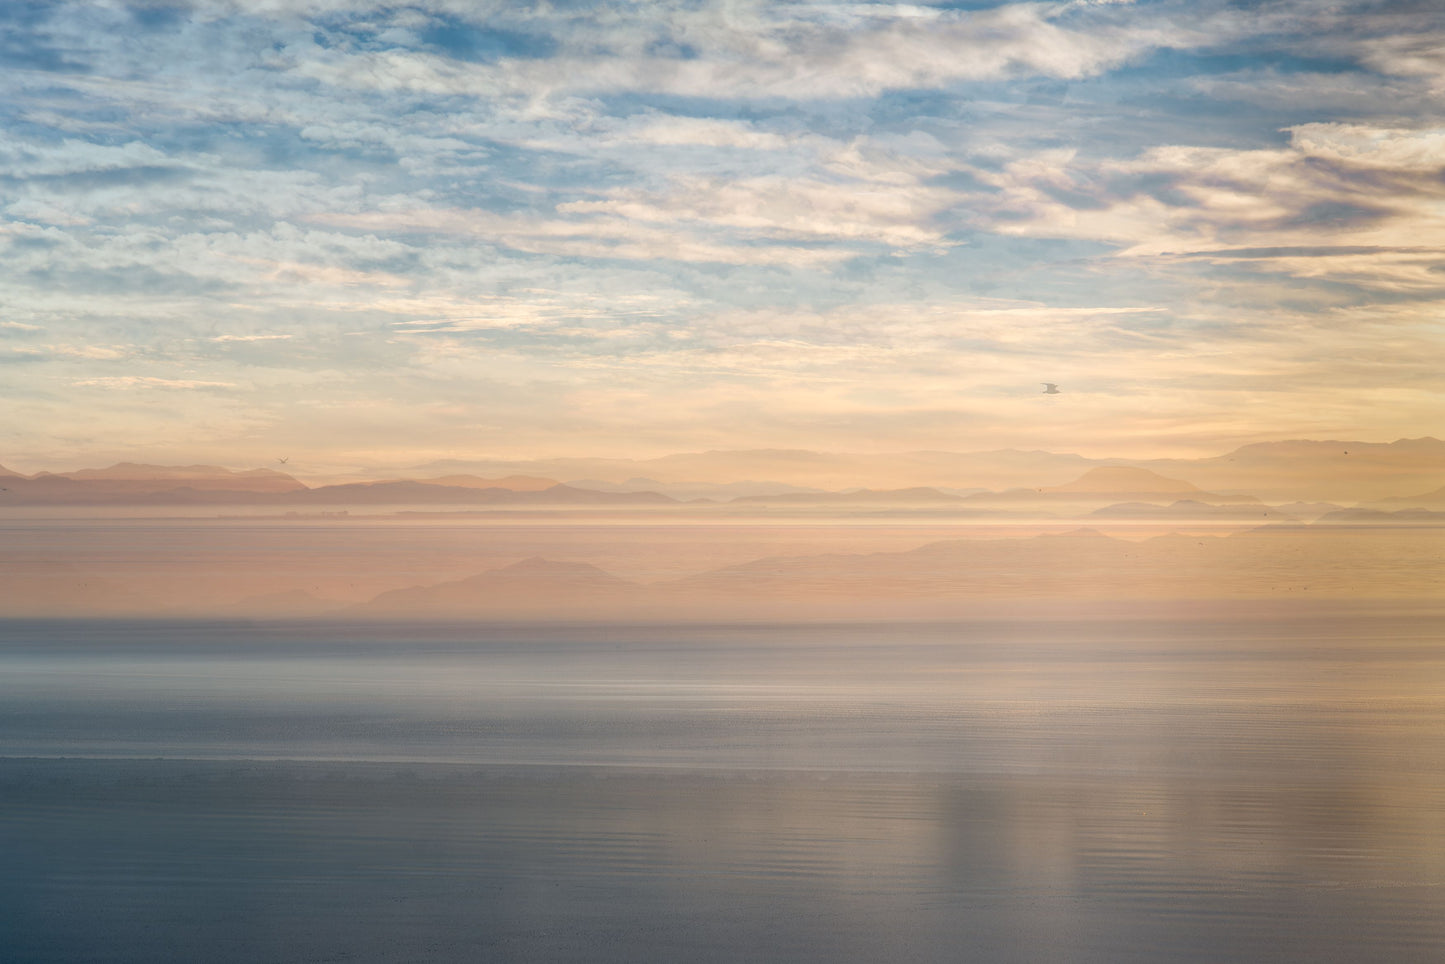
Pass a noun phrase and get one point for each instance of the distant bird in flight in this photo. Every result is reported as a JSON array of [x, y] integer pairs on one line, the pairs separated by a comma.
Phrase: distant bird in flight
[[1049, 388], [285, 460]]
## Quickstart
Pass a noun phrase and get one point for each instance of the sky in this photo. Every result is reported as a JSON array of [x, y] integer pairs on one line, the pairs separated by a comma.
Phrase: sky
[[357, 235]]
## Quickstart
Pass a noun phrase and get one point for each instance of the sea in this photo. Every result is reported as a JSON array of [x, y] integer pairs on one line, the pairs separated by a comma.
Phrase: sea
[[1266, 787]]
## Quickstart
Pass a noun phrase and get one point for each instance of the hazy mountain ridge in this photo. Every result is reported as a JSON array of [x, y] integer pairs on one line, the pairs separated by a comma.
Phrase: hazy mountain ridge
[[405, 492], [1303, 470], [1292, 471], [136, 472], [1403, 558], [1191, 509], [1411, 516], [131, 479], [696, 491], [1318, 470], [1269, 562], [533, 586], [514, 483], [266, 487], [911, 496], [1110, 484], [1433, 498]]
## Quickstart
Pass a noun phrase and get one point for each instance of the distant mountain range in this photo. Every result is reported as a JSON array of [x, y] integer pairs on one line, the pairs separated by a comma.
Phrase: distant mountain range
[[1112, 483], [1432, 499], [130, 477], [1299, 471], [531, 587], [695, 491], [1193, 510], [1357, 555], [131, 484], [920, 495], [1327, 471], [1270, 562]]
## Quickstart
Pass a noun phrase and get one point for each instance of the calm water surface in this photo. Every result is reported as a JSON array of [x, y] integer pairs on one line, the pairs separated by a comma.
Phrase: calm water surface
[[1132, 790]]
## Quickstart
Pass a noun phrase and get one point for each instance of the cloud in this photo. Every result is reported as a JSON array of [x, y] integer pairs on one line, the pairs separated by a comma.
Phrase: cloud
[[762, 50], [1416, 53], [129, 382], [867, 192], [1359, 204], [72, 157], [786, 209], [90, 352], [889, 217], [706, 132], [579, 316], [619, 236]]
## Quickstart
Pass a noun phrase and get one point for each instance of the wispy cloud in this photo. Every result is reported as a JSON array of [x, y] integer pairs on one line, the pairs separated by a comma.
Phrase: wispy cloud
[[1349, 202], [618, 236], [766, 50], [128, 382]]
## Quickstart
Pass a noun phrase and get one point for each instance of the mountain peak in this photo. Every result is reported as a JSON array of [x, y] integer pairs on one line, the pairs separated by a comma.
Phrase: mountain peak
[[541, 565], [1123, 478], [139, 471], [513, 483]]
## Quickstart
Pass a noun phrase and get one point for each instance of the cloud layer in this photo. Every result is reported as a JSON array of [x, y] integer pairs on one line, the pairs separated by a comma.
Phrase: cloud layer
[[384, 234]]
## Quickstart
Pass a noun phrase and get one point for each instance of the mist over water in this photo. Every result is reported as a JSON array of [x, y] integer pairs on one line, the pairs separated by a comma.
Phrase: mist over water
[[1263, 788]]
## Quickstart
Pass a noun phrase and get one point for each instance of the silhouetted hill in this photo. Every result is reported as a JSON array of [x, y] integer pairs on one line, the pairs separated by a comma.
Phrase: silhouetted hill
[[1435, 497], [1123, 478], [1330, 471], [534, 587], [1400, 559], [1275, 561], [1274, 471], [1396, 517], [128, 484], [911, 496], [1307, 510], [198, 476], [693, 491], [828, 471], [1334, 471], [1189, 509], [426, 493], [515, 483], [1110, 484], [128, 481]]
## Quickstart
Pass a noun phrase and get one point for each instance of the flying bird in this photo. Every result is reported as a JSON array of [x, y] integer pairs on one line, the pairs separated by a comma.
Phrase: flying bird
[[285, 460], [1049, 388]]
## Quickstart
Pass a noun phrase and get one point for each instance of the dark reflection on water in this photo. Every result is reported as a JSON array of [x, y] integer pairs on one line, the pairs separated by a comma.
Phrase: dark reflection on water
[[1267, 791]]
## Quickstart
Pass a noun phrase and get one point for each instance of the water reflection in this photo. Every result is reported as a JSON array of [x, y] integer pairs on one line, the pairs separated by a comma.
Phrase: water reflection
[[1083, 792]]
